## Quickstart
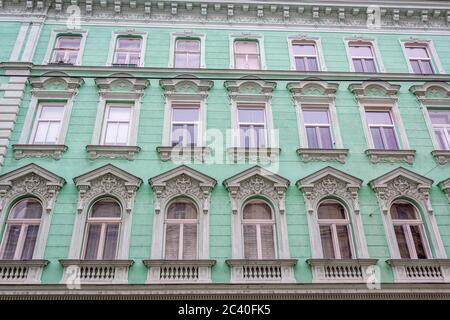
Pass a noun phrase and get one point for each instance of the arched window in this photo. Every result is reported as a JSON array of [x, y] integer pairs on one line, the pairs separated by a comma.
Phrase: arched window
[[335, 231], [102, 232], [409, 231], [21, 231], [258, 225], [181, 231]]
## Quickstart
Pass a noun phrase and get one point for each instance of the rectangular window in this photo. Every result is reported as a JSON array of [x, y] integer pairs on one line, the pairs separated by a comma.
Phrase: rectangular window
[[128, 51], [116, 126], [363, 57], [48, 123], [66, 50], [419, 58], [440, 121], [252, 127], [382, 130], [318, 128], [305, 56], [184, 125], [187, 53], [246, 55]]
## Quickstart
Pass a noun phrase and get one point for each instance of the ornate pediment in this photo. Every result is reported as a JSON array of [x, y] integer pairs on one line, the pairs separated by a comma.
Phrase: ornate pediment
[[256, 181], [312, 88], [402, 183], [55, 84], [445, 186], [182, 181], [121, 84], [30, 180], [107, 180], [330, 182], [374, 89], [186, 85], [432, 91], [250, 87]]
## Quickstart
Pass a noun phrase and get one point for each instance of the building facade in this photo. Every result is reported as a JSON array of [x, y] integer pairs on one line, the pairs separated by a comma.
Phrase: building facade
[[223, 149]]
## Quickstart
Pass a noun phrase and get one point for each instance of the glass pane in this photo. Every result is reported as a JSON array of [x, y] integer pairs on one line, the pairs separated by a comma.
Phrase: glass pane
[[188, 45], [111, 133], [418, 242], [181, 60], [253, 62], [240, 62], [260, 136], [59, 56], [316, 116], [72, 57], [427, 67], [53, 112], [134, 59], [327, 242], [190, 241], [440, 117], [111, 238], [119, 113], [358, 65], [30, 242], [331, 211], [106, 209], [121, 58], [312, 64], [401, 242], [304, 49], [257, 210], [122, 133], [53, 133], [403, 211], [415, 65], [417, 52], [300, 64], [378, 117], [92, 241], [27, 209], [128, 43], [442, 139], [250, 245], [246, 47], [391, 140], [194, 61], [41, 132], [12, 238], [172, 241], [251, 115], [377, 138], [361, 51], [325, 135], [344, 242], [267, 242], [313, 141], [245, 136], [182, 210], [69, 42], [185, 114], [370, 66], [177, 134]]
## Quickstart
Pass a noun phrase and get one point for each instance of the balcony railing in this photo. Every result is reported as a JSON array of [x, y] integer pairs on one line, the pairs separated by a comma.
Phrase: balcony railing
[[21, 271], [245, 270], [179, 271], [341, 270], [420, 270]]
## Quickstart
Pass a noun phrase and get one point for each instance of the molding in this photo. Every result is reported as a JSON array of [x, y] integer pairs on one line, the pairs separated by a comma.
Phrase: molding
[[21, 271], [420, 270], [177, 153], [374, 90], [190, 35], [312, 88], [441, 156], [445, 187], [432, 93], [250, 89], [262, 271], [179, 271], [186, 87], [342, 270], [121, 86], [308, 155], [252, 155], [380, 155], [112, 152], [53, 151], [55, 33], [58, 85]]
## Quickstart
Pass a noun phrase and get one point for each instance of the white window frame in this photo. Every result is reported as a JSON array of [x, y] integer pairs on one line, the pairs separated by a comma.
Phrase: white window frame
[[328, 125], [108, 107], [65, 32], [429, 45], [67, 50], [177, 105], [426, 110], [37, 120], [259, 39], [307, 40], [379, 66], [251, 124], [381, 126], [174, 36], [127, 34]]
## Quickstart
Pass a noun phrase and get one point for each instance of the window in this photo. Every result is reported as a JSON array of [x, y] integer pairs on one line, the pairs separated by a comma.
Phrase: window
[[335, 231], [246, 55], [440, 121], [252, 126], [305, 56], [66, 50], [181, 231], [259, 231], [21, 230], [48, 122], [187, 53], [382, 130], [116, 127], [363, 57], [318, 128], [409, 231], [102, 232], [184, 125], [419, 58], [128, 51]]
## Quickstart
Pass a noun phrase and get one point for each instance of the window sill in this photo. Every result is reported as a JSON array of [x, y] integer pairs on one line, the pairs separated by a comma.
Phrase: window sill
[[262, 271], [239, 155], [112, 152], [323, 154], [382, 155], [441, 156], [340, 270], [183, 153], [21, 271], [97, 271], [53, 151], [420, 270], [179, 271]]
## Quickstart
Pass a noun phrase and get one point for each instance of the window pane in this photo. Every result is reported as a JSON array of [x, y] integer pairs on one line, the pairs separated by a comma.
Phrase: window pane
[[427, 67], [188, 45], [344, 242], [111, 238], [325, 136], [240, 62], [182, 210], [121, 58], [442, 139], [440, 117], [259, 210], [418, 242], [59, 56], [267, 242], [194, 61], [185, 114], [316, 116], [27, 209], [246, 47], [30, 242], [181, 60], [190, 241], [12, 238], [128, 43], [260, 135], [401, 241], [53, 133], [300, 64], [53, 112], [106, 209], [41, 132], [331, 211], [358, 65], [377, 138], [361, 51], [69, 42], [245, 136], [177, 134], [250, 246], [370, 65], [327, 242], [72, 57], [111, 133], [311, 134], [415, 66], [251, 115], [253, 62], [122, 133], [304, 49], [391, 140], [378, 117], [403, 211], [92, 242], [134, 59], [312, 64], [417, 52], [119, 113], [172, 241]]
